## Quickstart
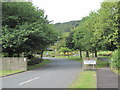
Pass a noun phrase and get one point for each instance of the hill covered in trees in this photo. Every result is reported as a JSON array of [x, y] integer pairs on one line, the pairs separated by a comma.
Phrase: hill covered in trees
[[67, 26]]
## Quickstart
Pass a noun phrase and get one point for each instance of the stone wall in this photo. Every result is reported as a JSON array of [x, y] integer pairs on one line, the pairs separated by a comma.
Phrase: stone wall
[[13, 63]]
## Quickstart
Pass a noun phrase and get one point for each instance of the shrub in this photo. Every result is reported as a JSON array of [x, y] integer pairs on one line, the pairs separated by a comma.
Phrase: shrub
[[115, 60], [105, 53], [34, 61], [65, 50]]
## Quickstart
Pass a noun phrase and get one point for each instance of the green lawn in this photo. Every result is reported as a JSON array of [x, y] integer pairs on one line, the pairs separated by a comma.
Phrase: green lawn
[[107, 57], [117, 71], [75, 58], [102, 64], [86, 79], [38, 65]]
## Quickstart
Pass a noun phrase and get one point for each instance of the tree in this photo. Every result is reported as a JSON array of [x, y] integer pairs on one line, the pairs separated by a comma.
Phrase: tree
[[108, 17], [69, 40], [64, 50], [24, 31]]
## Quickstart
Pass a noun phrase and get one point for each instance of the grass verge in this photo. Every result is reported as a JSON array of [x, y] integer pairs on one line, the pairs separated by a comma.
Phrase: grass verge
[[86, 79], [8, 72], [102, 64], [117, 71], [75, 58], [31, 67], [107, 57]]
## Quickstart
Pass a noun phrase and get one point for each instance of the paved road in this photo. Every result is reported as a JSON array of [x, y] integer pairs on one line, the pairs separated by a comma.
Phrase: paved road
[[60, 73]]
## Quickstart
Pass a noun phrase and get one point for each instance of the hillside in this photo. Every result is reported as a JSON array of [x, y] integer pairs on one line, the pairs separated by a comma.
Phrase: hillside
[[67, 26]]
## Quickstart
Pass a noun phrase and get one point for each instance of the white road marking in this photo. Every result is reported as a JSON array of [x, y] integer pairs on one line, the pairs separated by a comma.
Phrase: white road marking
[[29, 80]]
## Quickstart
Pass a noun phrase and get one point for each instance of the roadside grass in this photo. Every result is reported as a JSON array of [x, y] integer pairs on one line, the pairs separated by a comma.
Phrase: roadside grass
[[31, 67], [107, 57], [75, 58], [86, 79], [102, 64], [117, 71], [8, 72]]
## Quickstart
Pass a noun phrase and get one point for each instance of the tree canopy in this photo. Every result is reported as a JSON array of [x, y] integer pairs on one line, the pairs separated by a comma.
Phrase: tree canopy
[[25, 29], [98, 30]]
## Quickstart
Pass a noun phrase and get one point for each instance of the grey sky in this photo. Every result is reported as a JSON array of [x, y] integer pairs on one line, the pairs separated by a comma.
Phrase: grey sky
[[67, 10]]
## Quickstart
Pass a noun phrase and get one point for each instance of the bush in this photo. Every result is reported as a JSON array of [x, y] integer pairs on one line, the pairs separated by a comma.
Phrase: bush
[[34, 61], [29, 56], [105, 53], [115, 60]]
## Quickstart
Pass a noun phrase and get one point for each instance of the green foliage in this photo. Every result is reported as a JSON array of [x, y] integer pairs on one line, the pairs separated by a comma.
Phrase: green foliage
[[25, 29], [104, 53], [64, 49], [34, 61], [66, 34], [31, 67], [115, 59], [108, 24], [102, 64], [99, 30], [67, 26], [51, 53], [19, 13]]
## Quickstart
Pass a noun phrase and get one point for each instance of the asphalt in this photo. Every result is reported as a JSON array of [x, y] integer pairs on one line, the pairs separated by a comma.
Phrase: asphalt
[[107, 78], [59, 73]]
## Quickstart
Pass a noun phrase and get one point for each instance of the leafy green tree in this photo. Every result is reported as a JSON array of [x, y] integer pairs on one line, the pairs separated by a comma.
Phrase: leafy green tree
[[64, 50], [108, 24], [115, 60], [25, 29], [69, 40], [77, 37], [100, 29]]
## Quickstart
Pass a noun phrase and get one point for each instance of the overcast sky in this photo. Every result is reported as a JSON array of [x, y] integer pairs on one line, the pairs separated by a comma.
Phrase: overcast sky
[[67, 10]]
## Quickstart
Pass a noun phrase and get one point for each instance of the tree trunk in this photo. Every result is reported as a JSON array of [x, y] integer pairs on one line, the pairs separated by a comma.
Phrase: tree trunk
[[18, 54], [10, 53], [95, 53], [92, 54], [87, 53], [80, 53], [64, 53], [41, 55]]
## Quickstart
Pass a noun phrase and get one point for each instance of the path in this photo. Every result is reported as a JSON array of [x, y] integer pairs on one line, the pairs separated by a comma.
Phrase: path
[[106, 78], [60, 73]]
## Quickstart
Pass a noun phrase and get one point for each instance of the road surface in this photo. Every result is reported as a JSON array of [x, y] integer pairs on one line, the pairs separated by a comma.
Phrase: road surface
[[59, 73]]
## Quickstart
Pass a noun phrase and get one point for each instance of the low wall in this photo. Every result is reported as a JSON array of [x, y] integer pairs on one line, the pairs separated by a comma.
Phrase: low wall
[[13, 63]]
